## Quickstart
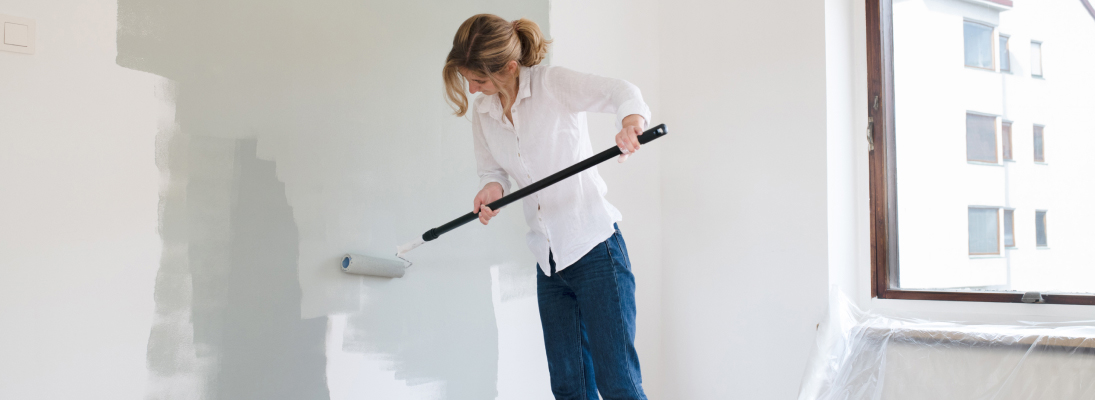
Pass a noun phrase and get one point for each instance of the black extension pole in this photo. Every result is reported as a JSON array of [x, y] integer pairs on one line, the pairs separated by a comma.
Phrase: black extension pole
[[644, 138]]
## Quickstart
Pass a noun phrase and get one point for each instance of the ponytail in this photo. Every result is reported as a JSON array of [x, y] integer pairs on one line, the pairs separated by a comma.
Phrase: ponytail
[[533, 45], [484, 44]]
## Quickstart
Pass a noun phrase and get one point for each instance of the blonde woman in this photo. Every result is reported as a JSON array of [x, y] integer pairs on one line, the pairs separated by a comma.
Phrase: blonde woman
[[527, 125]]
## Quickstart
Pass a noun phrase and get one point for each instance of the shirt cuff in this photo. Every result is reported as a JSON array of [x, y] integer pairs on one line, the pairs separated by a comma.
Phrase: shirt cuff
[[633, 106], [493, 178]]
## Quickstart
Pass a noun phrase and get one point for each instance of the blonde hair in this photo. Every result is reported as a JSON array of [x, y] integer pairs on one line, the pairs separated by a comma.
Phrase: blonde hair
[[484, 44]]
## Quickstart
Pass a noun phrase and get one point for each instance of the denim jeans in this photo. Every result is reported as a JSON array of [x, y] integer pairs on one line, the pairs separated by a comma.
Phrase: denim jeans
[[588, 314]]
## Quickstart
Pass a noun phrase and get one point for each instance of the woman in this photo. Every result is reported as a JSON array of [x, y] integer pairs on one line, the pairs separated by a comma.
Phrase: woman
[[526, 126]]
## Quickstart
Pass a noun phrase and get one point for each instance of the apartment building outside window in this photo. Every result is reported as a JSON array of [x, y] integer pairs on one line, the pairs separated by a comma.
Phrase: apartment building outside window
[[1039, 143], [1009, 228], [1005, 140], [1040, 228], [980, 138], [1036, 59], [928, 109], [978, 44]]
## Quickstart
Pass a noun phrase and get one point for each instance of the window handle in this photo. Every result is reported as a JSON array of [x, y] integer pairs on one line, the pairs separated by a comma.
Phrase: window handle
[[870, 133], [870, 127]]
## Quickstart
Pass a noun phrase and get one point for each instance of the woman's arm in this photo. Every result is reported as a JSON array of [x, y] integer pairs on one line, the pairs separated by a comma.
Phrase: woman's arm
[[493, 180], [587, 92]]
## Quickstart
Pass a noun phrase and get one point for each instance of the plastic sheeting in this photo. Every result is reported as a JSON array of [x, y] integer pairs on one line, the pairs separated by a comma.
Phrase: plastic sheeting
[[867, 355]]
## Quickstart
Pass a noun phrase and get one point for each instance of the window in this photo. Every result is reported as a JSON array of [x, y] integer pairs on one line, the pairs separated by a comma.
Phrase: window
[[1009, 228], [980, 138], [984, 231], [1040, 228], [923, 104], [1039, 143], [978, 41], [1005, 54], [1005, 139], [1036, 59]]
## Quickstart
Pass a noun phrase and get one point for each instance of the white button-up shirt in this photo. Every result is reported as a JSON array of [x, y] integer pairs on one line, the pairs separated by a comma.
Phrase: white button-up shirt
[[548, 134]]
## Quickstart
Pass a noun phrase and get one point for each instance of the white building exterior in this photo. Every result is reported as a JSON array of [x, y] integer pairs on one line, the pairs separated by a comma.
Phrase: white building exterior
[[935, 89]]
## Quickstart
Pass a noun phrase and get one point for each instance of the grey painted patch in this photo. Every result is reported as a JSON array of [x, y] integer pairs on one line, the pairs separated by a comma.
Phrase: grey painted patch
[[346, 97], [248, 341]]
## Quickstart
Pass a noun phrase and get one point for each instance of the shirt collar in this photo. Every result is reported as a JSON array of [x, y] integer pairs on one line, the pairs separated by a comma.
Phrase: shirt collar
[[493, 105]]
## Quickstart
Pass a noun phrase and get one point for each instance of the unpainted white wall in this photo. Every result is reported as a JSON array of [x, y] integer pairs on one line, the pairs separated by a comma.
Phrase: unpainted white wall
[[743, 195], [78, 208], [619, 39]]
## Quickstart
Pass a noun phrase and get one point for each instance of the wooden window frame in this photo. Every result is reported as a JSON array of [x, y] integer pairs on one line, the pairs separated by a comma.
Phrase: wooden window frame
[[1007, 152], [992, 38], [1005, 216], [1045, 228], [1034, 139], [995, 139], [1041, 66], [883, 177], [999, 231], [1000, 52]]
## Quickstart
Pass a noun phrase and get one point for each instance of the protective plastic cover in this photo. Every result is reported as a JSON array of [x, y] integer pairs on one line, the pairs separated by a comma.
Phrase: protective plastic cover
[[867, 355]]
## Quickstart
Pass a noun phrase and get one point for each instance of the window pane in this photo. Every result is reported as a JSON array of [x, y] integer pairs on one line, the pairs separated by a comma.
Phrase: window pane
[[978, 40], [1035, 59], [984, 231], [1005, 139], [1040, 226], [942, 108], [980, 138], [1009, 228], [1039, 144]]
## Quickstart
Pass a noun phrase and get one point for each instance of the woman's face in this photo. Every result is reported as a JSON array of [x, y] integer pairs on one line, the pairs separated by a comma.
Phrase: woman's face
[[479, 83]]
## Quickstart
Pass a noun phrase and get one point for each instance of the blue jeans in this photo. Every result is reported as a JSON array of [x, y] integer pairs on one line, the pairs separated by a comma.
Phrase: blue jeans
[[588, 314]]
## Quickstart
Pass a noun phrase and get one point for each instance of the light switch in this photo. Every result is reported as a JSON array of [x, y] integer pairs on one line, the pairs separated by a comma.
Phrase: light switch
[[16, 34]]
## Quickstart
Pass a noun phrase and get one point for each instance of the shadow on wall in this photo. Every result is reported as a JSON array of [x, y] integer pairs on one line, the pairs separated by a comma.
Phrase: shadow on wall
[[305, 130]]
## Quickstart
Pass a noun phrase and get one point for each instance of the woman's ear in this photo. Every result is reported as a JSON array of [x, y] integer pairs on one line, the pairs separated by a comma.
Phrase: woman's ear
[[511, 67]]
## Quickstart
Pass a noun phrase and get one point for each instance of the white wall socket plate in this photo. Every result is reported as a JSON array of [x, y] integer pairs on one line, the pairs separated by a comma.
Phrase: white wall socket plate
[[17, 34]]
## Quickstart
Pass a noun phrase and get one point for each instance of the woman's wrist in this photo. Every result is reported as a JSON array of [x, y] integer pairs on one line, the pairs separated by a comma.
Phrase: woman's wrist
[[635, 120]]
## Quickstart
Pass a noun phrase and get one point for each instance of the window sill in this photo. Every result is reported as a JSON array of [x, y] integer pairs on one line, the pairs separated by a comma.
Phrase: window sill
[[1042, 247], [985, 256], [1040, 163], [983, 69], [985, 163], [1017, 336]]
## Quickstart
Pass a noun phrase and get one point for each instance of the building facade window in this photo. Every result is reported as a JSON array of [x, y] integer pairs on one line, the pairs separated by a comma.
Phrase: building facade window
[[1040, 228], [916, 94], [980, 138], [1039, 143], [984, 231], [1009, 228], [1036, 59], [978, 45], [1005, 140]]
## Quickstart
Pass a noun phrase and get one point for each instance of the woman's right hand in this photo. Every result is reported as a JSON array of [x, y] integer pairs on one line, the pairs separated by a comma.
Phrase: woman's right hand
[[491, 192]]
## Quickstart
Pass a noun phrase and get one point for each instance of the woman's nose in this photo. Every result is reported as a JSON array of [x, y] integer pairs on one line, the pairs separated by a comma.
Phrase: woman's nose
[[473, 88]]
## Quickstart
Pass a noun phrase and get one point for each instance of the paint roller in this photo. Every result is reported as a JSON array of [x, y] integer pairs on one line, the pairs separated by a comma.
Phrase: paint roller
[[388, 268]]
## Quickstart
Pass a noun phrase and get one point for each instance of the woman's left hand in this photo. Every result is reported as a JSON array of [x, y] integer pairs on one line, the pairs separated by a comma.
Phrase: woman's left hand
[[628, 138]]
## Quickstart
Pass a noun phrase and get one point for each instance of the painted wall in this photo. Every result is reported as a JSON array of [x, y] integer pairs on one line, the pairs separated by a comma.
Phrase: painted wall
[[190, 173], [743, 195]]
